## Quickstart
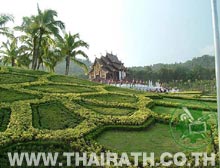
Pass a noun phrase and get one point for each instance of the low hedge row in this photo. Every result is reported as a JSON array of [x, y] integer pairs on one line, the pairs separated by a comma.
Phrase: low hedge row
[[95, 133], [195, 107], [155, 96], [104, 103], [188, 97]]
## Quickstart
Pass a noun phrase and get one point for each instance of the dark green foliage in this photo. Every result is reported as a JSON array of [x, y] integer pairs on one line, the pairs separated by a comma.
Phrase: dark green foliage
[[114, 98], [4, 118], [206, 86], [8, 78], [53, 116], [35, 146], [56, 88], [108, 110], [201, 68], [197, 74], [12, 95], [73, 80]]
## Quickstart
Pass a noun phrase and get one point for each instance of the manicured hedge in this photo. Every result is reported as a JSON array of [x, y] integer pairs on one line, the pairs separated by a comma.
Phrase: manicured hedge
[[4, 118], [121, 90], [22, 71], [102, 128], [10, 95], [108, 97], [188, 97], [172, 104], [8, 78], [155, 96], [108, 110], [71, 79], [74, 96], [57, 88]]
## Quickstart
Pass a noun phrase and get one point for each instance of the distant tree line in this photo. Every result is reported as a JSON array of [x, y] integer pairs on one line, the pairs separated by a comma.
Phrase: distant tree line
[[201, 68]]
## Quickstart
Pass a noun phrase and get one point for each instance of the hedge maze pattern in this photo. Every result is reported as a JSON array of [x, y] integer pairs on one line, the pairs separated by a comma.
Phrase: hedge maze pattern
[[37, 106]]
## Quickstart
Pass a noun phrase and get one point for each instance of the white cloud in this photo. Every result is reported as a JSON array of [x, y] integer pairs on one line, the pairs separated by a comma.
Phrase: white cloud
[[207, 50]]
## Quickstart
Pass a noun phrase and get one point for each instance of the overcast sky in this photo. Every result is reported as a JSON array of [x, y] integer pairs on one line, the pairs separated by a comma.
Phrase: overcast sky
[[140, 32]]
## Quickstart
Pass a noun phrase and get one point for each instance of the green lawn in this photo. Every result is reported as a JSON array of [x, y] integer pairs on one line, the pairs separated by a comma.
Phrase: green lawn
[[4, 118], [53, 116], [8, 78], [74, 80], [165, 110], [108, 110], [34, 146], [12, 95], [176, 111], [155, 139], [114, 98], [56, 88]]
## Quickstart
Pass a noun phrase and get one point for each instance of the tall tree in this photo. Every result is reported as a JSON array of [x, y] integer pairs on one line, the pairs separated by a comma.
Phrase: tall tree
[[70, 47], [10, 51], [36, 27], [50, 55], [30, 36], [46, 25]]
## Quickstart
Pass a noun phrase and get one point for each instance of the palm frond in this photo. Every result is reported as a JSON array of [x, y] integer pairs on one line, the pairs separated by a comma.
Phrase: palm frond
[[4, 18], [82, 53]]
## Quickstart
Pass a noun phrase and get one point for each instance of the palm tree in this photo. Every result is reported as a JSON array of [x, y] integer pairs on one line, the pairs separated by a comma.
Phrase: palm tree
[[70, 47], [36, 27], [15, 54], [30, 36], [3, 20], [50, 55], [46, 25], [10, 51]]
